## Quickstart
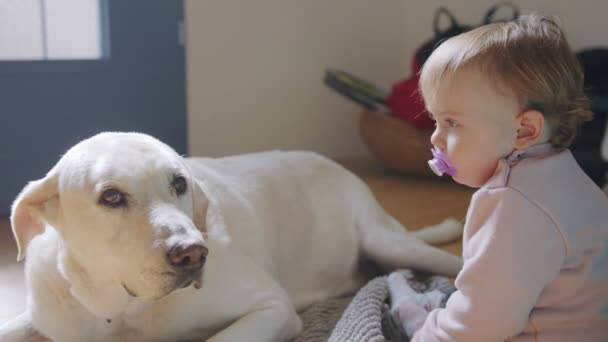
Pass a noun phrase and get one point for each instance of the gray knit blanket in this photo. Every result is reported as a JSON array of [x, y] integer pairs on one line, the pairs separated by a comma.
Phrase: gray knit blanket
[[364, 317]]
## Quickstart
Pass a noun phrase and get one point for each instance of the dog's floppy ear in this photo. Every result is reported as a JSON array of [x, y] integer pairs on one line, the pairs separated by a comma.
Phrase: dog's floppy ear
[[37, 203], [206, 215], [200, 205]]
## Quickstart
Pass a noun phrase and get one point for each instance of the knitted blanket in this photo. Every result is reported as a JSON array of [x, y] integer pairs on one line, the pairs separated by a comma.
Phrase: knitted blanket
[[364, 317]]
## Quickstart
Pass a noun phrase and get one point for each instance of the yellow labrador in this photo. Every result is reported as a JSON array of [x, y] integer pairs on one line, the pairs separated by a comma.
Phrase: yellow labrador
[[126, 240]]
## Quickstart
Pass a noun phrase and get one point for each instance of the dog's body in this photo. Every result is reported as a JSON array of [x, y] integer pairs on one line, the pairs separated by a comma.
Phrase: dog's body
[[282, 230]]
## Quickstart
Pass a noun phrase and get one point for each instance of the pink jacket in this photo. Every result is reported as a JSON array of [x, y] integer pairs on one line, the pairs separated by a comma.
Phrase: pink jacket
[[535, 250]]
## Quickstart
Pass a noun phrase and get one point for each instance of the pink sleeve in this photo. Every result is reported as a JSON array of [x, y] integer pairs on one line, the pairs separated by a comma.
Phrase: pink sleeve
[[512, 250]]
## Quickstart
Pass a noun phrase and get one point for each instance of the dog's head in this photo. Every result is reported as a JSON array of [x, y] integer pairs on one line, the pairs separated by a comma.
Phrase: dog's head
[[126, 206]]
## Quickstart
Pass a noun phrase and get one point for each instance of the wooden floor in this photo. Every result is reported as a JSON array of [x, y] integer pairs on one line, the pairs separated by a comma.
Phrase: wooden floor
[[415, 202]]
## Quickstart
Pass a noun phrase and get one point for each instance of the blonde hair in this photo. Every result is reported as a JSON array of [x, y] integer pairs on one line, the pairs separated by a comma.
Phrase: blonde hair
[[530, 59]]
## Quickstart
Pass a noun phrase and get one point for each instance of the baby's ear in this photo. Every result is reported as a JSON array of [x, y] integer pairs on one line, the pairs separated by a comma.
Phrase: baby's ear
[[37, 203], [531, 129]]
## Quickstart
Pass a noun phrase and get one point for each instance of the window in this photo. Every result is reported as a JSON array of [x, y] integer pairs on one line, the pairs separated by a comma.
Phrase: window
[[53, 29]]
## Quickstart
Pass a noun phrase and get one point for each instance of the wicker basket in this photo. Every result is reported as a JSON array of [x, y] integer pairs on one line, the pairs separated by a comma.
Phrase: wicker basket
[[396, 144]]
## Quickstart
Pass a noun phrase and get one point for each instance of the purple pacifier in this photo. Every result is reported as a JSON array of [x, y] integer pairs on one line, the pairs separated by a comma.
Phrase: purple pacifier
[[440, 164]]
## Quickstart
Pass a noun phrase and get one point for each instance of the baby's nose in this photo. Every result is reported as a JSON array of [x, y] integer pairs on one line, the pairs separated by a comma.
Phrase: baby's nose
[[437, 139]]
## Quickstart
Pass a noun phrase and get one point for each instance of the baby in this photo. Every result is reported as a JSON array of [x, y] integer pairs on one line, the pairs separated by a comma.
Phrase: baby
[[508, 99]]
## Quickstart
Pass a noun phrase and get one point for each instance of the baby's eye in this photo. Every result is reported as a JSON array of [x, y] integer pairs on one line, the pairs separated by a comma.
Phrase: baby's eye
[[451, 123]]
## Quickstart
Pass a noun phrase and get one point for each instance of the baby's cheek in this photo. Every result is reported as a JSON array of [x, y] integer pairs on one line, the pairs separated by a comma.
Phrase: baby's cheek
[[469, 174], [486, 172]]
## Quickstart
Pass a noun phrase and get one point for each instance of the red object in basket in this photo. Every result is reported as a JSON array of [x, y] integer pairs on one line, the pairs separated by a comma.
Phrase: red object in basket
[[404, 99], [406, 103]]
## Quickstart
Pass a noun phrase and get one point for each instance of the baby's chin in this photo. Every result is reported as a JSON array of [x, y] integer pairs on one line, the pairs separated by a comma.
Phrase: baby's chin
[[471, 183], [475, 177]]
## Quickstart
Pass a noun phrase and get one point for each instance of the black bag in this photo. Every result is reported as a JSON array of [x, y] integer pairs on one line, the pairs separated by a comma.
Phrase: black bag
[[455, 28], [587, 147]]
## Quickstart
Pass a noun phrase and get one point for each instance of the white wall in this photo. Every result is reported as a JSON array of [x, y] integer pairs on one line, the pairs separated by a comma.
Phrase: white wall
[[255, 67], [255, 70]]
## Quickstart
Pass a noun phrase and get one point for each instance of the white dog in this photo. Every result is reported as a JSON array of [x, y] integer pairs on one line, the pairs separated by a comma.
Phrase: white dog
[[125, 240]]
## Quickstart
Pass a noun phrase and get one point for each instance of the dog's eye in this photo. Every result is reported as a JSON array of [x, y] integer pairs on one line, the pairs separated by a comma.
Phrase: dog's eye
[[179, 184], [112, 198]]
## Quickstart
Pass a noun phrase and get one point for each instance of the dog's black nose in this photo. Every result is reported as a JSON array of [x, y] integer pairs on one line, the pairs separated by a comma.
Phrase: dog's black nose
[[188, 257]]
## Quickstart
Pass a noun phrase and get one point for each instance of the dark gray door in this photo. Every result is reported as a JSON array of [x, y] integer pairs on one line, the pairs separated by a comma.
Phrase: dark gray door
[[47, 106]]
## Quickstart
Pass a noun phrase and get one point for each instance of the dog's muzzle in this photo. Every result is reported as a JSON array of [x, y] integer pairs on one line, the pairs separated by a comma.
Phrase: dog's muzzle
[[187, 258], [188, 261]]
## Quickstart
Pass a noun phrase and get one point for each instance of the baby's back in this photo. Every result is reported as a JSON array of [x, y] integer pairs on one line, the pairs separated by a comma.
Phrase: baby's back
[[578, 295]]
